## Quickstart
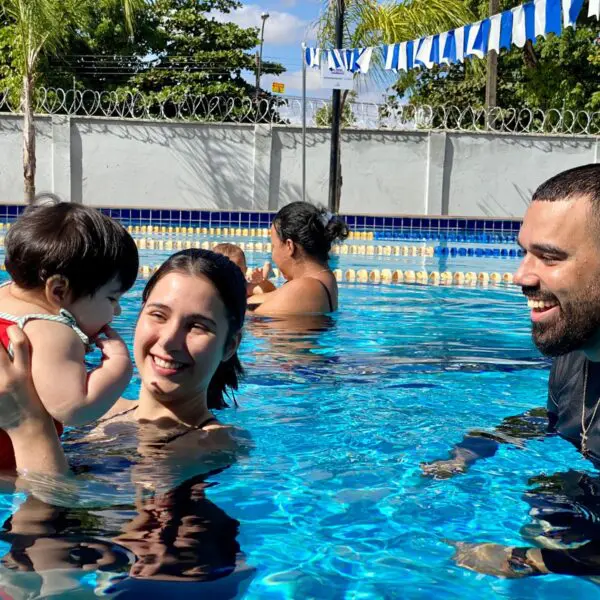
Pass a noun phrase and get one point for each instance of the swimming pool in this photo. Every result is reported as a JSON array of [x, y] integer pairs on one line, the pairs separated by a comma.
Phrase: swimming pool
[[330, 501]]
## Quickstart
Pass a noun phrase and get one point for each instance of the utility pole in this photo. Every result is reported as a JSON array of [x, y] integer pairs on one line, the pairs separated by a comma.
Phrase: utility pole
[[491, 86], [264, 18], [334, 171]]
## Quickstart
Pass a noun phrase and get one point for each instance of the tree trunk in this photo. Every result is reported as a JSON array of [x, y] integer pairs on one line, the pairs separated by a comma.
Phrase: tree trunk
[[29, 162], [529, 57]]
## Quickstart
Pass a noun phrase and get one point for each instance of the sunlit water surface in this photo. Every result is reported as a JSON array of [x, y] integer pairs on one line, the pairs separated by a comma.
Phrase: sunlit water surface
[[330, 502]]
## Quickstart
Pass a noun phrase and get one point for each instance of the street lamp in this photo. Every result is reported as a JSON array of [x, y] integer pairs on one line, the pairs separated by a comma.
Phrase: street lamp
[[264, 18]]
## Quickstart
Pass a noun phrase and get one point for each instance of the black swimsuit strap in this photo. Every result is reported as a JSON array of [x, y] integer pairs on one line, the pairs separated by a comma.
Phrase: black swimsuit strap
[[328, 294], [118, 415], [196, 428]]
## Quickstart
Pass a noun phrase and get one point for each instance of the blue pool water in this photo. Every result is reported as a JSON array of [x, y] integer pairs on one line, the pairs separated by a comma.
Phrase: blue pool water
[[330, 500]]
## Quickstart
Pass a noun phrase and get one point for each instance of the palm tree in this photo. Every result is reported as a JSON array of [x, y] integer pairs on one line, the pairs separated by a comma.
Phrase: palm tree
[[370, 23], [41, 27]]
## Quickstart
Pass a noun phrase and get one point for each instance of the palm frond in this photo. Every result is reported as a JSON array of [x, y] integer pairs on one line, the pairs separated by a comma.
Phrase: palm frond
[[373, 23]]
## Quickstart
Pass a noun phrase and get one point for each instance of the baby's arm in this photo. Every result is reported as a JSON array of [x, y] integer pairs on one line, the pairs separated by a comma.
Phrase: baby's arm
[[69, 393], [259, 281], [260, 288]]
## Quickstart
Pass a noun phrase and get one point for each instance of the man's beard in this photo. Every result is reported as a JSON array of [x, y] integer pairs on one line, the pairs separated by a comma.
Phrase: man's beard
[[577, 324]]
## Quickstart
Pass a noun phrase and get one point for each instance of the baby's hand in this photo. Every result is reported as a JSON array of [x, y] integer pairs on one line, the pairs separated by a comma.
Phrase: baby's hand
[[256, 277], [114, 350], [267, 271]]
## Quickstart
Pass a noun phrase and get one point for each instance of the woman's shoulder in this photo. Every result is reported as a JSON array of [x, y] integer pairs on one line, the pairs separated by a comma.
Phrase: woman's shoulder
[[302, 295], [215, 437], [120, 407]]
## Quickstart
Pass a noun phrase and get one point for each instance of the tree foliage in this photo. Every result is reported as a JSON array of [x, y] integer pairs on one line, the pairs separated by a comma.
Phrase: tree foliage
[[178, 48], [561, 72], [33, 29]]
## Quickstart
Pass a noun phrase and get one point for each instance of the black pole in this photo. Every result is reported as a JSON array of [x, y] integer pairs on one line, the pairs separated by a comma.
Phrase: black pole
[[336, 103]]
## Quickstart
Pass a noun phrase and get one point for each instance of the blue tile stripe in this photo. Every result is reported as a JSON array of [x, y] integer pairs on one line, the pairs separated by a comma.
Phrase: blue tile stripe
[[386, 227]]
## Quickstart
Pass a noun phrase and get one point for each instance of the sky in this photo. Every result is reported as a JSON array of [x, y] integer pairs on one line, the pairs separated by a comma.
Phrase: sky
[[290, 23]]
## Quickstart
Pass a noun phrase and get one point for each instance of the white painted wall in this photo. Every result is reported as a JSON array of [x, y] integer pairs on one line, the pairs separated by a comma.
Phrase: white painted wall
[[11, 158], [184, 165], [495, 176], [121, 163]]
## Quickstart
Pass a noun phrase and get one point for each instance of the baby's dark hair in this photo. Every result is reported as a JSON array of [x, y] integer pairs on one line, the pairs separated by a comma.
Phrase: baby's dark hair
[[231, 285], [311, 227], [77, 242]]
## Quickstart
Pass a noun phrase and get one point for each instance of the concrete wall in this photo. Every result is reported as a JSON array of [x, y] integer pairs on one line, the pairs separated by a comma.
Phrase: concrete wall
[[109, 162], [11, 158]]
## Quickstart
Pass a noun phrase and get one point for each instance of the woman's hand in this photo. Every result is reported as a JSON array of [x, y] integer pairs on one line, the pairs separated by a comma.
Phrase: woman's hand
[[19, 402], [22, 415]]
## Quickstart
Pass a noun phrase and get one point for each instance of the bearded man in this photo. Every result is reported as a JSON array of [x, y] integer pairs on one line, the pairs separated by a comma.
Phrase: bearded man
[[560, 276]]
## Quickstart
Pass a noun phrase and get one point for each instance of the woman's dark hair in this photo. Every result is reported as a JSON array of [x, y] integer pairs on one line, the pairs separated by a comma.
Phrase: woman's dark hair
[[311, 227], [78, 242], [231, 285]]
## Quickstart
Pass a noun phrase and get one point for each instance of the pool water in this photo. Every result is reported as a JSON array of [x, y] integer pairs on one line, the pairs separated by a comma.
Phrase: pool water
[[330, 501]]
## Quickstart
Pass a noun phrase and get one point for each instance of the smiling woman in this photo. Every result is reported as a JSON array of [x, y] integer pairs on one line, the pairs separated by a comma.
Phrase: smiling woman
[[185, 348]]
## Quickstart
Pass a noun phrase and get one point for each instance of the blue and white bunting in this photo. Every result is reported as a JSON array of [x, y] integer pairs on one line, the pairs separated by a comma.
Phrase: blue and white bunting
[[511, 28], [359, 60], [594, 9], [495, 31], [356, 60], [312, 56], [571, 10]]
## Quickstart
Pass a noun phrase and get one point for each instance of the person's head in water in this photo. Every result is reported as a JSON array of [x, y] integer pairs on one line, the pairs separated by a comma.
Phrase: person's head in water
[[560, 273], [234, 253], [302, 231], [189, 329]]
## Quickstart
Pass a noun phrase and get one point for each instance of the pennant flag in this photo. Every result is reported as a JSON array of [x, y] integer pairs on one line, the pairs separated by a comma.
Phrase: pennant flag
[[494, 39], [359, 59], [424, 52], [459, 44], [571, 10], [519, 34], [477, 41], [506, 29], [390, 57], [553, 17], [442, 41], [594, 9], [313, 57], [336, 59]]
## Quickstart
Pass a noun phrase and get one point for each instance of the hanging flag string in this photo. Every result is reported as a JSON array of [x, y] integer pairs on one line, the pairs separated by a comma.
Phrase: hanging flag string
[[513, 27]]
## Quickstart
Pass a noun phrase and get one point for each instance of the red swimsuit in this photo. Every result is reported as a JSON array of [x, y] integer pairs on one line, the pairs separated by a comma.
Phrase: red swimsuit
[[7, 455]]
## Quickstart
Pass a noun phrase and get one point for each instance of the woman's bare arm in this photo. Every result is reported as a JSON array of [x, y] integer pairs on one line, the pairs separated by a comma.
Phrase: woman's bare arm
[[32, 432]]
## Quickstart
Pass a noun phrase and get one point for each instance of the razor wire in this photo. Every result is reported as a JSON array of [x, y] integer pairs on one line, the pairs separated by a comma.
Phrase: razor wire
[[288, 110]]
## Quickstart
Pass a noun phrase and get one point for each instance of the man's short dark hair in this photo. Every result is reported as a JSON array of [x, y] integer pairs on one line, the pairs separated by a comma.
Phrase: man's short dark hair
[[568, 185], [77, 242]]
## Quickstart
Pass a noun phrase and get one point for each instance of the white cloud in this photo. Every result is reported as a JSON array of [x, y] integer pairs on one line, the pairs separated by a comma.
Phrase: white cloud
[[281, 28]]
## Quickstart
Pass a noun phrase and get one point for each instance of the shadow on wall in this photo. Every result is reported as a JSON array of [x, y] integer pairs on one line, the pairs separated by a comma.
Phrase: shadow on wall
[[282, 191], [213, 165], [286, 163]]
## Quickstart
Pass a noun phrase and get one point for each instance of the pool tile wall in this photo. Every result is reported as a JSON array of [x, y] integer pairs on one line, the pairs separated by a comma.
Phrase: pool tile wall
[[205, 218]]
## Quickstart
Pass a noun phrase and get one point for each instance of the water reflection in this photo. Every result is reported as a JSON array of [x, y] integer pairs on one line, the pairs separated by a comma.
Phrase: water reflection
[[174, 537], [294, 345]]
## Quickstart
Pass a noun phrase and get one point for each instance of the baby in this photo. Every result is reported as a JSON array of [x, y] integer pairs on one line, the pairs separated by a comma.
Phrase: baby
[[258, 279], [69, 266]]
